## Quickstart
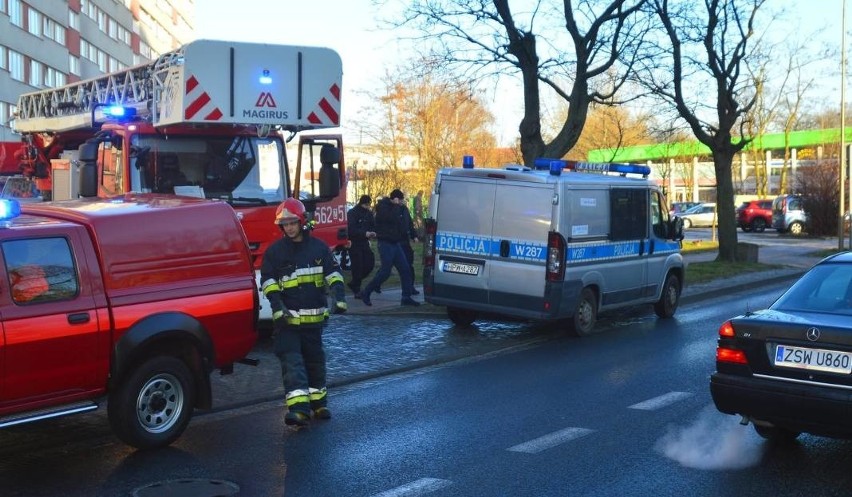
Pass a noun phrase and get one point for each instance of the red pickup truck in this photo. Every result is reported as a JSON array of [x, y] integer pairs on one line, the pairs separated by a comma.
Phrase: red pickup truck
[[134, 300]]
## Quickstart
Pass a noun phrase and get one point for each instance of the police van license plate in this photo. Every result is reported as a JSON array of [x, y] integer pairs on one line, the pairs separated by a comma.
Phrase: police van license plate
[[458, 267], [814, 359]]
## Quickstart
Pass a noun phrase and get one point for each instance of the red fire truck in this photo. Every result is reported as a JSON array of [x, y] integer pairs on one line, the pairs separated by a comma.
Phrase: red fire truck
[[210, 119]]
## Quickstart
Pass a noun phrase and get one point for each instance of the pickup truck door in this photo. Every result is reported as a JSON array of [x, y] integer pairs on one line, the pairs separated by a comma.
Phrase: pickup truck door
[[52, 351]]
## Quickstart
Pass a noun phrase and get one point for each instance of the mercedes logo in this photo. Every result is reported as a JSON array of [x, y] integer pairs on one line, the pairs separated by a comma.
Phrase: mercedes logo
[[812, 334]]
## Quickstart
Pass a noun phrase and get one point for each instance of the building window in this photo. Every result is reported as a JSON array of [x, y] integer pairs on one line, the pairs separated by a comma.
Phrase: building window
[[102, 61], [54, 30], [34, 22], [36, 73], [16, 65], [4, 110], [16, 13], [3, 56], [3, 6], [74, 20], [74, 65]]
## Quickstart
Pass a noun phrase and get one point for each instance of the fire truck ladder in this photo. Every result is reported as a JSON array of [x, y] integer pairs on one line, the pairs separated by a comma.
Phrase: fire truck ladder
[[72, 106]]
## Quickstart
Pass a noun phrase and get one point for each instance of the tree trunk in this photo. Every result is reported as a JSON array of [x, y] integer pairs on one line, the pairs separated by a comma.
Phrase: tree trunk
[[722, 161]]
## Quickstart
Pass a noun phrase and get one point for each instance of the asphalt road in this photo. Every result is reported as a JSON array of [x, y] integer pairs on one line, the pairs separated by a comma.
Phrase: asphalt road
[[625, 412]]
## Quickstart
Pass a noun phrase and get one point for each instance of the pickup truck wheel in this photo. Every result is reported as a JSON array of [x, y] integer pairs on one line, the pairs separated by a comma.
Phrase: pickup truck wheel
[[152, 407], [586, 313], [462, 318], [669, 299]]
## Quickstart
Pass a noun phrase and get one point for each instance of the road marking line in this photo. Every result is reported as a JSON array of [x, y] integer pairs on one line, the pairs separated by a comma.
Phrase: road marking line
[[417, 487], [551, 440], [661, 401]]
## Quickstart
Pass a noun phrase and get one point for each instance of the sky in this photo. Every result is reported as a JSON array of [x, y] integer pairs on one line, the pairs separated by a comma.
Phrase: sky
[[352, 28]]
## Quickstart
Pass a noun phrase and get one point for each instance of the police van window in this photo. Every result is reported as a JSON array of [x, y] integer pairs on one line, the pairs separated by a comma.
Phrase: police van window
[[659, 215], [40, 270], [588, 213], [628, 214]]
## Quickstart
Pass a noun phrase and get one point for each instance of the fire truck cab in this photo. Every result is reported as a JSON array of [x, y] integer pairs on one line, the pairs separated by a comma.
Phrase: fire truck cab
[[210, 120]]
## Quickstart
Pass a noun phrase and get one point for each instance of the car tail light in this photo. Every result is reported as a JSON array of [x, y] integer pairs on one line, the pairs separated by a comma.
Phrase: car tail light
[[730, 355], [726, 330], [431, 228], [555, 257]]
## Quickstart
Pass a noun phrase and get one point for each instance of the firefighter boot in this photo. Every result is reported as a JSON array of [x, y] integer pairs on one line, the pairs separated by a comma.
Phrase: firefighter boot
[[297, 418], [322, 413]]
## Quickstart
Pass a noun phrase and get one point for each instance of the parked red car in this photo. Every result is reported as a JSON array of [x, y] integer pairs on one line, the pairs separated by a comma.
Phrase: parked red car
[[755, 215]]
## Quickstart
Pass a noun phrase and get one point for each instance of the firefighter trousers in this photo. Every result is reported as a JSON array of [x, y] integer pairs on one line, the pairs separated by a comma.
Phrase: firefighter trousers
[[303, 369]]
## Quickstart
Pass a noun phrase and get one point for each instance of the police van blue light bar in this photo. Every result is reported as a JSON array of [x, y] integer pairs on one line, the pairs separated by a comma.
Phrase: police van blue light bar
[[555, 166], [265, 78], [9, 209]]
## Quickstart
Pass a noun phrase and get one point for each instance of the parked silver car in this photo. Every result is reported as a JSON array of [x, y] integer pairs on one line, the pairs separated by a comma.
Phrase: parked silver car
[[700, 216]]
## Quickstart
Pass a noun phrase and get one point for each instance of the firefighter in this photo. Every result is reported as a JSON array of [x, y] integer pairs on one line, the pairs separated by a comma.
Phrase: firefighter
[[295, 271]]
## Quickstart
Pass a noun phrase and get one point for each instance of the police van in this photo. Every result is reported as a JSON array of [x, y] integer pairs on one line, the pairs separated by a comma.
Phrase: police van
[[562, 240]]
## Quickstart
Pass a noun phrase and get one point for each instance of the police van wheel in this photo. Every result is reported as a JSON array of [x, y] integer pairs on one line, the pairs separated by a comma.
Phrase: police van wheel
[[667, 305], [586, 313], [462, 318], [152, 407]]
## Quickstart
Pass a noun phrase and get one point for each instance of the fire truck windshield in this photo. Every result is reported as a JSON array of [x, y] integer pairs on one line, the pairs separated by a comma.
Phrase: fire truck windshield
[[236, 168]]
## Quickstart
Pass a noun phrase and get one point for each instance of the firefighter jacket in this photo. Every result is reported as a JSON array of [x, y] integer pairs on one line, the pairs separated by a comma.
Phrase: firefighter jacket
[[294, 277]]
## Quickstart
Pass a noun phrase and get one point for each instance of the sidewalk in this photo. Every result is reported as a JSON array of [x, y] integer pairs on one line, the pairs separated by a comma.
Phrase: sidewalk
[[796, 254]]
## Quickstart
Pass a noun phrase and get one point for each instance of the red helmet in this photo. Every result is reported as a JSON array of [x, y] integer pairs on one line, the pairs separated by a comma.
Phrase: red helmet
[[290, 209]]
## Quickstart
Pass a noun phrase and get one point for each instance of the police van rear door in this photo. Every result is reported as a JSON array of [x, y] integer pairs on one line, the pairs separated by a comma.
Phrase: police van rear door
[[522, 218]]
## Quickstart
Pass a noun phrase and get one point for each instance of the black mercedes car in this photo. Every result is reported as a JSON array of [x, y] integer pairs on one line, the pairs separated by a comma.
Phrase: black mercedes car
[[788, 369]]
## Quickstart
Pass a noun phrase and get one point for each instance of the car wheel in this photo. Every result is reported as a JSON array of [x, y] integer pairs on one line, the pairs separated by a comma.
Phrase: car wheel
[[669, 299], [776, 433], [758, 225], [687, 223], [153, 405], [796, 228], [745, 228], [462, 318], [586, 313]]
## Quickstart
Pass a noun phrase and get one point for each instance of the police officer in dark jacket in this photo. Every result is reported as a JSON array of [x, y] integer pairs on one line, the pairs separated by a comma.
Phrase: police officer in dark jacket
[[361, 226], [391, 232], [411, 235], [295, 271]]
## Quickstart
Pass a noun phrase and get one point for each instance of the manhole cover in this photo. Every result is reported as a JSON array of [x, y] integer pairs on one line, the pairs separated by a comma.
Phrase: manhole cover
[[188, 487]]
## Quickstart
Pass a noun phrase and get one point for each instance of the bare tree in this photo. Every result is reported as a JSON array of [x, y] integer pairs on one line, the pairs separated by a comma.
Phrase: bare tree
[[427, 119], [709, 49], [574, 53]]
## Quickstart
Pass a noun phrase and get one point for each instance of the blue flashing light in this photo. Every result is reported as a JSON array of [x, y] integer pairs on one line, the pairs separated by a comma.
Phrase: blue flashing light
[[598, 167], [116, 111], [556, 167], [467, 162], [9, 209], [119, 113], [265, 78]]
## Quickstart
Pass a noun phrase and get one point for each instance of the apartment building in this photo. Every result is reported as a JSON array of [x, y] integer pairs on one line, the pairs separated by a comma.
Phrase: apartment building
[[49, 43]]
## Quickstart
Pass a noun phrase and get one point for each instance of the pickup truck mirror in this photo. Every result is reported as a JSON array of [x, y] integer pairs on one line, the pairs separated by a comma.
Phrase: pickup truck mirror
[[329, 176], [88, 158]]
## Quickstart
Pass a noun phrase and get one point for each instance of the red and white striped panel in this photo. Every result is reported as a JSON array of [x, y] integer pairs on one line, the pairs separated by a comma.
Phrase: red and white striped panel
[[329, 109], [199, 103]]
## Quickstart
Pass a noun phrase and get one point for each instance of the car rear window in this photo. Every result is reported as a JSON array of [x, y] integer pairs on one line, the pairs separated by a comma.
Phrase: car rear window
[[825, 288]]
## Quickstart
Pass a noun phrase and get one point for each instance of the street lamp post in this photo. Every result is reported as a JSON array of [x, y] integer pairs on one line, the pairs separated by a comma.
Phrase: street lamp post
[[842, 212]]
